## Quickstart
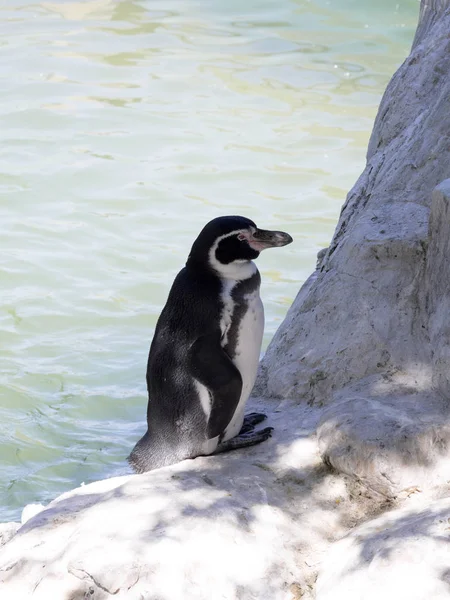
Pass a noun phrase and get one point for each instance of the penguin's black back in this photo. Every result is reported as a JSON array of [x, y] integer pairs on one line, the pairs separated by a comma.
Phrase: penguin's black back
[[175, 418]]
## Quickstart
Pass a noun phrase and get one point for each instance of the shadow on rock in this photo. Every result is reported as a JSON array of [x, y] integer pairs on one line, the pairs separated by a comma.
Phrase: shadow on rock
[[402, 554]]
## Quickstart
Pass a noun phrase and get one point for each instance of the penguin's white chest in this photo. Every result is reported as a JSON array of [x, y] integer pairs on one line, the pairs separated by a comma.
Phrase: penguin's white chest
[[242, 325]]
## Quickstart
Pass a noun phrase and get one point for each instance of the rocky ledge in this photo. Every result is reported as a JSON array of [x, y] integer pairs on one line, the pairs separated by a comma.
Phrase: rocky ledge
[[249, 524]]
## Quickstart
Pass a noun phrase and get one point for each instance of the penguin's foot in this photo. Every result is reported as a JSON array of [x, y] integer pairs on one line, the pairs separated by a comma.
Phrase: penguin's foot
[[250, 421], [243, 440]]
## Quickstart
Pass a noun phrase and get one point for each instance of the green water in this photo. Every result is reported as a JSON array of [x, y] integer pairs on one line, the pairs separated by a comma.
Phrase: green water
[[124, 127]]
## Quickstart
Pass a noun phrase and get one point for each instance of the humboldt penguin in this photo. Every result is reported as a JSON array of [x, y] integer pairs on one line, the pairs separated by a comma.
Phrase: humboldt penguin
[[205, 351]]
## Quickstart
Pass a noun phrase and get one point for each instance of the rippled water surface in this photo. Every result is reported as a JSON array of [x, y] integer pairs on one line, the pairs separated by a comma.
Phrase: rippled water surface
[[125, 126]]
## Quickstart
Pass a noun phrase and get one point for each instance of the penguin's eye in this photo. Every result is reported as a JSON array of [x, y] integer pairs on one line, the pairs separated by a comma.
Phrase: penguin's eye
[[241, 237]]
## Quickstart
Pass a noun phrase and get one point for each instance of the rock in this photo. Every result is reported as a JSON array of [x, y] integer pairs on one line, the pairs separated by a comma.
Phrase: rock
[[435, 291], [7, 532], [392, 431], [368, 336], [404, 554], [250, 524], [362, 312], [30, 511], [394, 440]]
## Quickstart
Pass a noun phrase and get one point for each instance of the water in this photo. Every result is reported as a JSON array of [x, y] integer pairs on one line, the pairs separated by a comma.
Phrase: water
[[124, 127]]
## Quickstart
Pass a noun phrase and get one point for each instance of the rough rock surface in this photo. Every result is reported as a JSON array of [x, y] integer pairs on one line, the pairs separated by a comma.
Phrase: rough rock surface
[[250, 524], [362, 312], [404, 554], [7, 532], [393, 431], [390, 446], [367, 336]]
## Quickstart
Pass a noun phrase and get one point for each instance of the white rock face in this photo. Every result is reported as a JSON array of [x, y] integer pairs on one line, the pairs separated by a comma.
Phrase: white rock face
[[392, 431], [29, 511], [7, 532], [247, 525], [403, 554], [394, 440], [362, 313], [368, 336]]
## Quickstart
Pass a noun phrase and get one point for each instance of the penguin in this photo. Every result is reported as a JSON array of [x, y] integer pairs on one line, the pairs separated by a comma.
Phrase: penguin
[[205, 350]]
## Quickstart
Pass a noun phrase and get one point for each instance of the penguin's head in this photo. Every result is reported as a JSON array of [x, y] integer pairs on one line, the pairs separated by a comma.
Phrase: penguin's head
[[227, 245]]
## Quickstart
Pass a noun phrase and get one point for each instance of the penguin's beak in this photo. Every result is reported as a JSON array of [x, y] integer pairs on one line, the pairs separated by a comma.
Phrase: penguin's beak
[[260, 239]]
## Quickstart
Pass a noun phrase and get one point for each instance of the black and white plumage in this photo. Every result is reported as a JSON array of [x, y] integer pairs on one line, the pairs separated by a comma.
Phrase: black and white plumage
[[205, 351]]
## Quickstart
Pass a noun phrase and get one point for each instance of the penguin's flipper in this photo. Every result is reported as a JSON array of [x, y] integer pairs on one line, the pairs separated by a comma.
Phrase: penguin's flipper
[[213, 368]]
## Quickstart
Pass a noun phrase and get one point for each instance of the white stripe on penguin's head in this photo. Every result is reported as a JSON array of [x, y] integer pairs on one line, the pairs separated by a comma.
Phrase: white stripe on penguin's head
[[237, 269]]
